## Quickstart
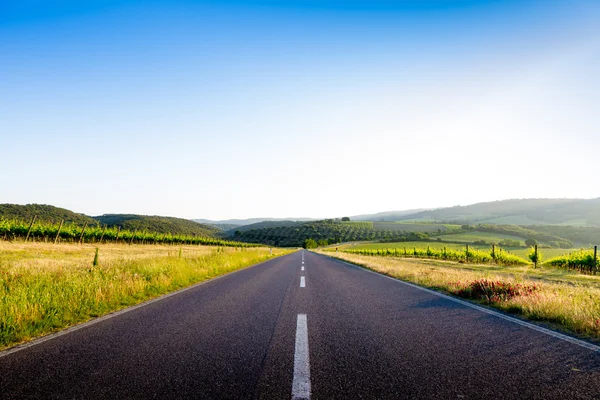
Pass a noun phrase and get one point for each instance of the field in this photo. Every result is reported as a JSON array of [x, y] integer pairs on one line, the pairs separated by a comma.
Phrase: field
[[45, 287], [412, 227], [518, 251], [470, 237], [561, 297]]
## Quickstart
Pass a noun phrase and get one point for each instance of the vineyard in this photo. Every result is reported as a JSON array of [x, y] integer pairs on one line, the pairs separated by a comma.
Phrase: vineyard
[[496, 255], [323, 232], [585, 261], [73, 233]]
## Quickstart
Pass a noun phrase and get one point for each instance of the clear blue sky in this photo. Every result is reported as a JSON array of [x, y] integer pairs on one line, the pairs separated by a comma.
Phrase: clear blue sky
[[296, 108]]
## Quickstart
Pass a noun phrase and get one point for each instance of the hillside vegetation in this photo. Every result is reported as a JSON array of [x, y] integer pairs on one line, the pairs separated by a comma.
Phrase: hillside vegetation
[[44, 213], [145, 223], [575, 212]]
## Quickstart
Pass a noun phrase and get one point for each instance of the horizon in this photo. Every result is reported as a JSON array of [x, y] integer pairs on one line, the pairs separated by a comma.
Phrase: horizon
[[214, 110], [264, 218]]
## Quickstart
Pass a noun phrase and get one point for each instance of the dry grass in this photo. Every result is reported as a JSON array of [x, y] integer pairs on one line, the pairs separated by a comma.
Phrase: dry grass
[[44, 288], [571, 305]]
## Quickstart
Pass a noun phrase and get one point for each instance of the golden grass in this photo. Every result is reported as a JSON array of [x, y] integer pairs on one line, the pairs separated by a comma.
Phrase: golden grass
[[569, 304], [46, 287]]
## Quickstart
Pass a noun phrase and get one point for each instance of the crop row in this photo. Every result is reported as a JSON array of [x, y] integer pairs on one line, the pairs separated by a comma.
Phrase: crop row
[[50, 232], [582, 260], [495, 255]]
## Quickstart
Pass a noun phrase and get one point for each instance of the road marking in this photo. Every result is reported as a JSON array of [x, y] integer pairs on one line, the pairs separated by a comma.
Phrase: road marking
[[302, 268], [557, 335], [302, 282], [301, 382]]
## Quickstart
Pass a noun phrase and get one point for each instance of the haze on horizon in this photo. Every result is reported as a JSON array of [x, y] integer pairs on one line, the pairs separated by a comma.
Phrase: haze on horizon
[[268, 108]]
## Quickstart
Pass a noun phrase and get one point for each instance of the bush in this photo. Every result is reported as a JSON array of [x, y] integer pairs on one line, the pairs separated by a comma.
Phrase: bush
[[495, 291]]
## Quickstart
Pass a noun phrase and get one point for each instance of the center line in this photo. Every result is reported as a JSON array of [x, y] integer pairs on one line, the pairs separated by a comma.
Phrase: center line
[[302, 268], [301, 382], [302, 282]]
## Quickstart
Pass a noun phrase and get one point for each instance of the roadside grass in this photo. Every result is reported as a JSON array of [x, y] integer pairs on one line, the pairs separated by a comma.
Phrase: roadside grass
[[565, 299], [45, 288]]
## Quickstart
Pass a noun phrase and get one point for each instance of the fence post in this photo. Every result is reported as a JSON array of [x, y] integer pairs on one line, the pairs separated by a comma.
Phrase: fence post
[[117, 237], [82, 231], [30, 226], [133, 236], [536, 257], [58, 232], [103, 230], [467, 254], [494, 252], [595, 259]]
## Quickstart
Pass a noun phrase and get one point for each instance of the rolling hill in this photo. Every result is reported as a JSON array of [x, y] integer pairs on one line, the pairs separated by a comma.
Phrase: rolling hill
[[572, 212], [44, 213]]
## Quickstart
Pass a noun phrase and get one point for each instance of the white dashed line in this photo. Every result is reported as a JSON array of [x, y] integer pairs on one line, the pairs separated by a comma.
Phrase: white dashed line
[[302, 282], [301, 382], [302, 268]]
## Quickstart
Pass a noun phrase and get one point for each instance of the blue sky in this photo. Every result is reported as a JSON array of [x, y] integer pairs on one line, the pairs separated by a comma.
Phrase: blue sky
[[296, 108]]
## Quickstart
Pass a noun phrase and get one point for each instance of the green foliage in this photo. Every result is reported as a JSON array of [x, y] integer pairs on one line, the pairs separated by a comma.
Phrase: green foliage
[[582, 260], [472, 256], [535, 255], [344, 219], [45, 213], [70, 233], [530, 242], [310, 244], [176, 226], [330, 230], [95, 262]]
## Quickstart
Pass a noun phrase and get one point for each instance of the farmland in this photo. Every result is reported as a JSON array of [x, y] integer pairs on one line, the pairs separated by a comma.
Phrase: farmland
[[518, 251], [46, 287]]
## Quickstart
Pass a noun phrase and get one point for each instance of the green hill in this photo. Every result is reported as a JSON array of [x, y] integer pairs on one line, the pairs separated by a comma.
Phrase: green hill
[[44, 213], [261, 225], [573, 212], [158, 224]]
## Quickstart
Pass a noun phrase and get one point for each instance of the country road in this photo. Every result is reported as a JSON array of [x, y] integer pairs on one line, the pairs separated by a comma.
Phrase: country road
[[303, 326]]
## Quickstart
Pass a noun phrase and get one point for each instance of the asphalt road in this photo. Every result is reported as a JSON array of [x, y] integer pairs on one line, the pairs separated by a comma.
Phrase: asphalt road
[[348, 333]]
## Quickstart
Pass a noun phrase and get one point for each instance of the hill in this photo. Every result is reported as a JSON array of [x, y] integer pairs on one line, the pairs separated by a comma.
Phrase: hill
[[154, 223], [326, 232], [44, 213], [573, 212], [261, 225], [248, 221], [386, 216]]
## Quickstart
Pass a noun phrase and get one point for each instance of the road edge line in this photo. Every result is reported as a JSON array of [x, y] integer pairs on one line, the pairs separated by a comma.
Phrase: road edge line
[[526, 324]]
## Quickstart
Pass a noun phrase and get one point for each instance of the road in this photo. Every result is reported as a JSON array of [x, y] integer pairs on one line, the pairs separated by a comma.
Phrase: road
[[303, 325]]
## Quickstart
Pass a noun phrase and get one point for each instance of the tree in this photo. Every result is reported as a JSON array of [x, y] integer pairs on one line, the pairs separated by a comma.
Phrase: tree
[[345, 219], [530, 242], [310, 244]]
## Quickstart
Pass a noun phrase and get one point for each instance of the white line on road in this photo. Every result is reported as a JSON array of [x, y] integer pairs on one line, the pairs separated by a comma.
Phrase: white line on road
[[302, 282], [302, 268], [301, 382]]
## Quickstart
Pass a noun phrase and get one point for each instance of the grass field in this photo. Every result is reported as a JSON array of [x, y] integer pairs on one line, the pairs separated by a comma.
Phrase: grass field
[[563, 298], [470, 237], [45, 288], [412, 227], [519, 251]]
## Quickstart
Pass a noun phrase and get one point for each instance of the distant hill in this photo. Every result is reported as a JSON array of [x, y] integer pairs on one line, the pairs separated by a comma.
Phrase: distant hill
[[261, 225], [572, 212], [158, 224], [44, 213], [241, 222], [146, 223], [386, 216]]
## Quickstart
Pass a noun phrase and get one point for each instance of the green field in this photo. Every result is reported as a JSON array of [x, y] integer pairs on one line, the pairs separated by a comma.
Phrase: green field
[[470, 237], [413, 227], [45, 288]]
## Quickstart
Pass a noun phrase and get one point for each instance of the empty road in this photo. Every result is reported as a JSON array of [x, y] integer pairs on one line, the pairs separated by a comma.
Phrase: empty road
[[303, 326]]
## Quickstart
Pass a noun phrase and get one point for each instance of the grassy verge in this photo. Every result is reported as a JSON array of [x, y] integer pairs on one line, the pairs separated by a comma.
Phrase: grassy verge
[[45, 288], [567, 300]]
